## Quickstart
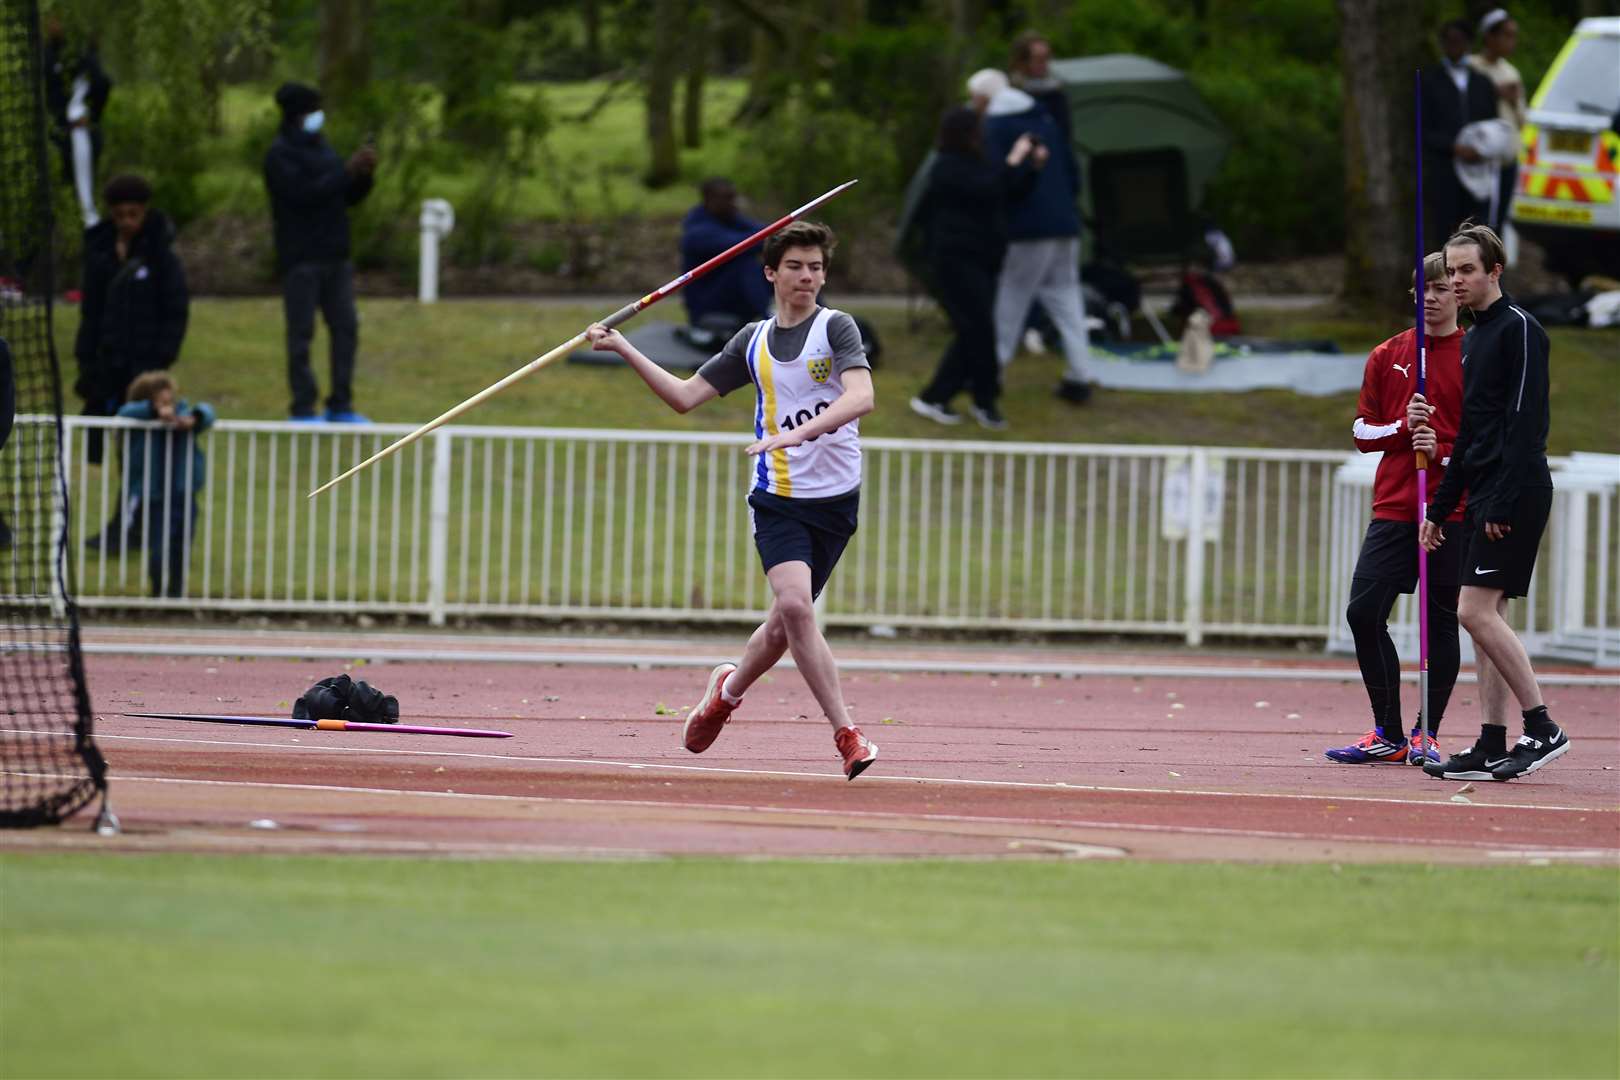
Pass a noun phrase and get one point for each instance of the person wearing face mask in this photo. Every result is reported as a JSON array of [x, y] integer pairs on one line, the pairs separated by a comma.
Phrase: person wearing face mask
[[311, 189]]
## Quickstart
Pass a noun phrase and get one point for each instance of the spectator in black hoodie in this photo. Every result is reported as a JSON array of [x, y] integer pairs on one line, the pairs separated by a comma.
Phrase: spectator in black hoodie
[[965, 211], [311, 190], [133, 317]]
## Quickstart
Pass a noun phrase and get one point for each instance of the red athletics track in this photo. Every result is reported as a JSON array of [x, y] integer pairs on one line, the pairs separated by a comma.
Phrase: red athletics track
[[1167, 767]]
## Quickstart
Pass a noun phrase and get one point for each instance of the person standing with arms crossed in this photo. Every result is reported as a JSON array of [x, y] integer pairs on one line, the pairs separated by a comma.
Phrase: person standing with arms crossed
[[812, 384], [1392, 418], [1500, 457]]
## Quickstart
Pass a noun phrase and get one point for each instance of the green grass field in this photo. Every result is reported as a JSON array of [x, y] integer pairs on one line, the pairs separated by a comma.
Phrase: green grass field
[[416, 361], [259, 966]]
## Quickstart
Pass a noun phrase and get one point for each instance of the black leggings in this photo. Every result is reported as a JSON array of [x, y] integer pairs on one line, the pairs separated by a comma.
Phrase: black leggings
[[1368, 614], [967, 292]]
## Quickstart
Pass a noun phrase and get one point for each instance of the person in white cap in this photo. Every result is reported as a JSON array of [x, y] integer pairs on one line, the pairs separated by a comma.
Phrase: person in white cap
[[1499, 36]]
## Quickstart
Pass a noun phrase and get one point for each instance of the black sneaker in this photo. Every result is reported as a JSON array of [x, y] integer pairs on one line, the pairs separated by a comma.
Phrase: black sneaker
[[1075, 393], [1530, 754], [1472, 764]]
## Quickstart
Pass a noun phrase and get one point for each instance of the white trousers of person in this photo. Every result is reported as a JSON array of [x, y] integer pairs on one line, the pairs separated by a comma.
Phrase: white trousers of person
[[84, 181], [1047, 270]]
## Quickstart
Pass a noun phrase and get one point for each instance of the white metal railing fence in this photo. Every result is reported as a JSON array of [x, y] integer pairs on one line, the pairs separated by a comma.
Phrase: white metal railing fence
[[1571, 609], [653, 525]]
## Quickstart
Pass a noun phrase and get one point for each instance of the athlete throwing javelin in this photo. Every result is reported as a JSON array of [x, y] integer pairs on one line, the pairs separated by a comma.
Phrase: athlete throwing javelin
[[812, 384], [1500, 457]]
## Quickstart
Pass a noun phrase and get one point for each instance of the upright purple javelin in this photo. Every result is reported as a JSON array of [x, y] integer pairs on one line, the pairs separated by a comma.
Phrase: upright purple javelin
[[1422, 458]]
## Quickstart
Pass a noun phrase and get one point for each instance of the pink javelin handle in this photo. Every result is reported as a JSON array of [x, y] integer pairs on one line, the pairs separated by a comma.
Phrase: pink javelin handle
[[725, 256]]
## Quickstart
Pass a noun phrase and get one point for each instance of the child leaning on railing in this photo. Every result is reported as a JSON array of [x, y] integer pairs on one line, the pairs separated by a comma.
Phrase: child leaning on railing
[[164, 470]]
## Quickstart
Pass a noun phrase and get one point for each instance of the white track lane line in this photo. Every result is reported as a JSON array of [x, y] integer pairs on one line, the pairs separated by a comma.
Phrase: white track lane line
[[853, 663], [1494, 846], [959, 781]]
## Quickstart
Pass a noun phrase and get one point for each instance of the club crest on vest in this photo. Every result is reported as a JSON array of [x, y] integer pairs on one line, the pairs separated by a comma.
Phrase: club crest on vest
[[820, 368]]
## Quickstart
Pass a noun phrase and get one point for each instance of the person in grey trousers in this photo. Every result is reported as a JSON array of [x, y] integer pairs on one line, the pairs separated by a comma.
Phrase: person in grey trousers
[[311, 189], [1043, 232]]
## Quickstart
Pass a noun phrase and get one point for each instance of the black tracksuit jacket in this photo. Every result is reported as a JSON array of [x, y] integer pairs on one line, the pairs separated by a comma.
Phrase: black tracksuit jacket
[[310, 195], [1501, 447], [134, 313]]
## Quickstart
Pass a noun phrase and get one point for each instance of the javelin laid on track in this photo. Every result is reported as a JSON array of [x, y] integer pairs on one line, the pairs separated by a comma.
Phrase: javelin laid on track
[[325, 725], [578, 339], [1422, 458]]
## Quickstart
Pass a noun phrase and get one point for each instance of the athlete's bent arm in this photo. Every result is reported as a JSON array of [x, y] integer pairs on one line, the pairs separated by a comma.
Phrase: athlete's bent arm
[[682, 395], [855, 402]]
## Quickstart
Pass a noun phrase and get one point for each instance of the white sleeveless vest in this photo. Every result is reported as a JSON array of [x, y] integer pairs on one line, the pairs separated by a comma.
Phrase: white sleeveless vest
[[791, 392]]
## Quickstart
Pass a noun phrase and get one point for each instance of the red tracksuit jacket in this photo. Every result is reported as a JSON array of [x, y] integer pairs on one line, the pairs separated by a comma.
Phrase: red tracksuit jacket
[[1387, 385]]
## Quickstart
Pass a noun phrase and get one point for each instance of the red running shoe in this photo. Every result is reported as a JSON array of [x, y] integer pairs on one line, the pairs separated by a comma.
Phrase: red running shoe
[[709, 715], [858, 751]]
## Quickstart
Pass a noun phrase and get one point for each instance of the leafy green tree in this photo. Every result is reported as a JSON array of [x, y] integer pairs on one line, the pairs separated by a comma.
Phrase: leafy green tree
[[163, 56]]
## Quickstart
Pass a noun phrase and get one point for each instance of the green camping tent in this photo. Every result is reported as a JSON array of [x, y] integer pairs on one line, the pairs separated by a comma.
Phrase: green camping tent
[[1129, 104], [1148, 145]]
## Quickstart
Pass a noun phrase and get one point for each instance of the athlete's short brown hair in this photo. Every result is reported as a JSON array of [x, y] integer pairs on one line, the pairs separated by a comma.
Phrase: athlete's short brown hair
[[801, 234], [1490, 245], [1434, 269]]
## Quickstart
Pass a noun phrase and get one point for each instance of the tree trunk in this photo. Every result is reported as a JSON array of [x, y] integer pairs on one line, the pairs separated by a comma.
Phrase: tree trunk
[[1382, 42], [593, 37], [663, 65], [698, 48], [962, 18], [344, 53]]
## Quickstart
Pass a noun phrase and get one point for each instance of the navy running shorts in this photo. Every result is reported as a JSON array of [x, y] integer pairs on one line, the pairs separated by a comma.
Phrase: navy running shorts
[[812, 531]]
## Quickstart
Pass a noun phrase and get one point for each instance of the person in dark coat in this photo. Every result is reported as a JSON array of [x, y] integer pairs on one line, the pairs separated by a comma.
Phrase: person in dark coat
[[135, 306], [76, 91], [311, 189], [965, 210], [736, 292], [1453, 95]]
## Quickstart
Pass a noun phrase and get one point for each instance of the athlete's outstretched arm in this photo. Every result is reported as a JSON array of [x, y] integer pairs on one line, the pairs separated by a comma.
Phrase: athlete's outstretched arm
[[682, 395]]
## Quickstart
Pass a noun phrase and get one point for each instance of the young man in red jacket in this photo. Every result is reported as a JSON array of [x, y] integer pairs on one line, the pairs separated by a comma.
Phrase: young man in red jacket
[[1392, 417]]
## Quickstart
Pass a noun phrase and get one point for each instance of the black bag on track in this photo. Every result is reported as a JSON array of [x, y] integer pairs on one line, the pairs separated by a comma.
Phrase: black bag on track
[[341, 698]]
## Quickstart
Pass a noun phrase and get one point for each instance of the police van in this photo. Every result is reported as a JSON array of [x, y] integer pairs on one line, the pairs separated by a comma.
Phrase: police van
[[1569, 162]]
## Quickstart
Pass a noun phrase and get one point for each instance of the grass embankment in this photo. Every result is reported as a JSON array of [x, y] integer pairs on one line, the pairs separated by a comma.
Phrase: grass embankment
[[256, 966], [416, 361], [591, 161]]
